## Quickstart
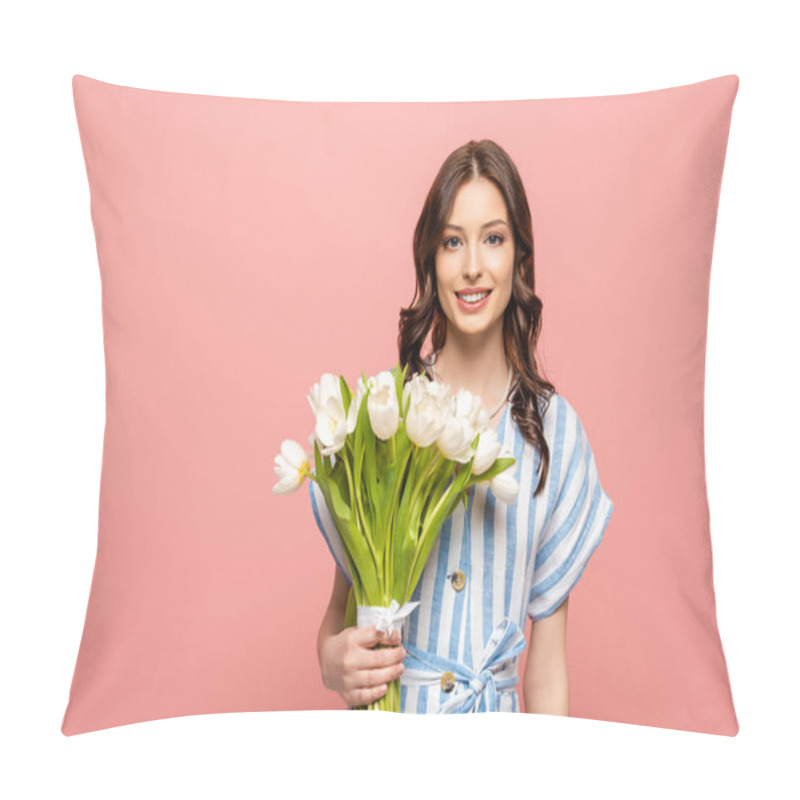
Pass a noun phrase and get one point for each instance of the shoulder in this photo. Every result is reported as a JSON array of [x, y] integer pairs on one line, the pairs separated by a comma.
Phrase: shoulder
[[554, 408], [558, 407], [562, 423]]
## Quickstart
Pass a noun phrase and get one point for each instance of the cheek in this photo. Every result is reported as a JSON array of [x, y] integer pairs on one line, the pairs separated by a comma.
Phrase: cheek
[[504, 292], [501, 263], [438, 272], [446, 278]]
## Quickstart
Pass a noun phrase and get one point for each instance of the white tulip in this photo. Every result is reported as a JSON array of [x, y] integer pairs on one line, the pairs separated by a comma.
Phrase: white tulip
[[312, 437], [469, 406], [504, 486], [429, 410], [483, 420], [486, 452], [325, 399], [328, 384], [382, 405], [455, 441], [291, 466]]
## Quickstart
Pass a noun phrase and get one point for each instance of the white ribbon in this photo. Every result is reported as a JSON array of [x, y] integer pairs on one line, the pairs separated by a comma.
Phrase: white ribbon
[[384, 617]]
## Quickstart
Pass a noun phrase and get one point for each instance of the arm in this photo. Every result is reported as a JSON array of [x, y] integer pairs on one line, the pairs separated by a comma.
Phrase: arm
[[333, 621], [545, 685]]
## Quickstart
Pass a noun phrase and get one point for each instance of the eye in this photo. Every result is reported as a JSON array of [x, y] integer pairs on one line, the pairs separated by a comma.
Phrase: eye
[[496, 236], [450, 239]]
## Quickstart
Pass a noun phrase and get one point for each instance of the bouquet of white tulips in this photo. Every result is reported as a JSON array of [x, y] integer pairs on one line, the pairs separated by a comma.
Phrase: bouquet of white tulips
[[398, 466]]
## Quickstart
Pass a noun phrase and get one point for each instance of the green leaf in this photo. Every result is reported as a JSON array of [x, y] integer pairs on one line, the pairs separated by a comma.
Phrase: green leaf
[[340, 506], [347, 395], [500, 465], [375, 491], [320, 467], [400, 379], [358, 446]]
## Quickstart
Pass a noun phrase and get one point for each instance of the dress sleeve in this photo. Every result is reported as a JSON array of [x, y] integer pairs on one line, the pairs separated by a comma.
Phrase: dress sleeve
[[575, 526], [327, 526]]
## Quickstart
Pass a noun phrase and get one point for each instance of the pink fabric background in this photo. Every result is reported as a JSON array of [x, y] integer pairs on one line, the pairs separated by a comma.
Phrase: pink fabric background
[[246, 246]]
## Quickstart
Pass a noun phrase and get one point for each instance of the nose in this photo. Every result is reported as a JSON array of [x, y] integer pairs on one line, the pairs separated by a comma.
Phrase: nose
[[472, 267]]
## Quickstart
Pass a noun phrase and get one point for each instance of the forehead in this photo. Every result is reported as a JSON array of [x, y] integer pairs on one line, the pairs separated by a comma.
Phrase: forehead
[[476, 202]]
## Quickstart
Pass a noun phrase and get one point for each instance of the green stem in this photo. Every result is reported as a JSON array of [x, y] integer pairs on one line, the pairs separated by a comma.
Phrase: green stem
[[429, 469], [445, 498], [370, 543], [359, 504], [393, 508]]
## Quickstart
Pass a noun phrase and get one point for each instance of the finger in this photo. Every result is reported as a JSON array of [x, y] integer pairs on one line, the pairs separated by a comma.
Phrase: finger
[[370, 636], [395, 638], [363, 697], [367, 678], [384, 657], [375, 677], [392, 639]]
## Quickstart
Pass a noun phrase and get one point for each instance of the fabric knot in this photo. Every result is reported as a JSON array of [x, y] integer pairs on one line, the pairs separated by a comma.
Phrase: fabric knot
[[478, 683]]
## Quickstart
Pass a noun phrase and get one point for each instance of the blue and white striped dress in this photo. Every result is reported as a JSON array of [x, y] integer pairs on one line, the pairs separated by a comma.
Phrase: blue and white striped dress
[[492, 565]]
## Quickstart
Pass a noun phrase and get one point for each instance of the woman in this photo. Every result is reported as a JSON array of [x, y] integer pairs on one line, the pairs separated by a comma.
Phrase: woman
[[493, 564]]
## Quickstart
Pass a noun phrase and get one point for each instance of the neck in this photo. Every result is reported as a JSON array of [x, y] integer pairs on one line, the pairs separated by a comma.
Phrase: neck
[[480, 367]]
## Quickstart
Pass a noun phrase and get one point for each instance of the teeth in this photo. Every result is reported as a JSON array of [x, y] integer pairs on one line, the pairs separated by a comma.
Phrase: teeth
[[472, 298]]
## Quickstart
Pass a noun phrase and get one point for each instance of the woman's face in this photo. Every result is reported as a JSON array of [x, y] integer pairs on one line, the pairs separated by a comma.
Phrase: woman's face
[[476, 253]]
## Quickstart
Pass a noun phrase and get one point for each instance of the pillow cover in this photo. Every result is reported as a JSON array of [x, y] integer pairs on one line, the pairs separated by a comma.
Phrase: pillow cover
[[246, 246]]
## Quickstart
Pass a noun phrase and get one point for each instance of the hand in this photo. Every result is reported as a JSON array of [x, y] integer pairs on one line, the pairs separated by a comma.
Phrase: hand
[[359, 674]]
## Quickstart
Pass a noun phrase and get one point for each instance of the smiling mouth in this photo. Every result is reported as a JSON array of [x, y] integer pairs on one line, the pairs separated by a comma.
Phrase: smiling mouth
[[473, 297]]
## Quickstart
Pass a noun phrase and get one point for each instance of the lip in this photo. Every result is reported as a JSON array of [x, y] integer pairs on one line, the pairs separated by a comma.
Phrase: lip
[[471, 308]]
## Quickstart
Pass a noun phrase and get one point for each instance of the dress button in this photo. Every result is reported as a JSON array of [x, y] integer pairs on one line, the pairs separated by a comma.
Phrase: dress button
[[458, 580], [448, 681]]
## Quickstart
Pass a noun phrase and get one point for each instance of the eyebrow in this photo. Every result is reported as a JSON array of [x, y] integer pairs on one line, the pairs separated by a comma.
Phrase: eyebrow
[[487, 225]]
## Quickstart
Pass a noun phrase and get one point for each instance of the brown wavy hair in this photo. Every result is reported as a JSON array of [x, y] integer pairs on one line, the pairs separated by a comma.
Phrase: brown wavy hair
[[522, 318]]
